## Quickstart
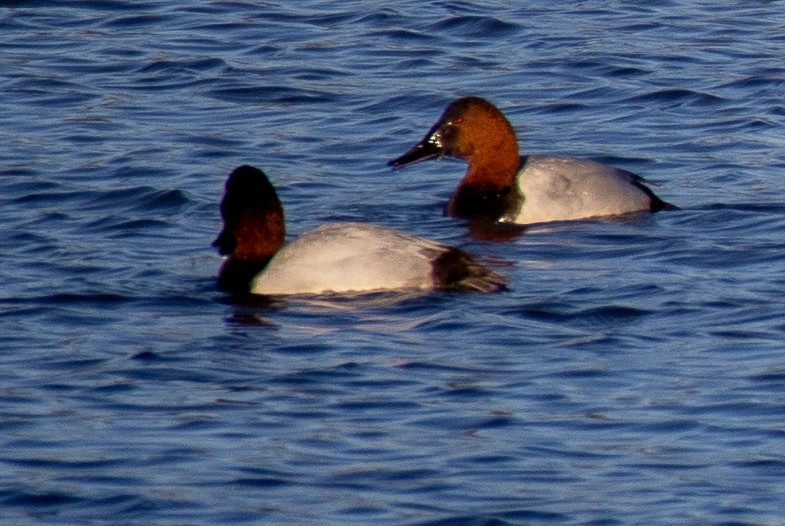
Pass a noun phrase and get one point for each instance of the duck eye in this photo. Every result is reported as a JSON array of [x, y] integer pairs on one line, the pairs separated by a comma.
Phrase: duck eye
[[449, 132]]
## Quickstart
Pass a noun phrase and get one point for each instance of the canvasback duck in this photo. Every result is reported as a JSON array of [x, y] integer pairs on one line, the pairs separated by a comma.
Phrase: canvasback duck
[[335, 257], [501, 186]]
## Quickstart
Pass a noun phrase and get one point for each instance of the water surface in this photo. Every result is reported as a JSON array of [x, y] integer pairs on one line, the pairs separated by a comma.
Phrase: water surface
[[632, 373]]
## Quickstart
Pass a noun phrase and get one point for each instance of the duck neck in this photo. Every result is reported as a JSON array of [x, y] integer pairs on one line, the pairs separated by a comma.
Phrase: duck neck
[[236, 274], [254, 240], [488, 188]]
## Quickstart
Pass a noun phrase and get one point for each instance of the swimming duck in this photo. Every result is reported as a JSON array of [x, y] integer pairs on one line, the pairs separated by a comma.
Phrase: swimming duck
[[500, 185], [335, 257]]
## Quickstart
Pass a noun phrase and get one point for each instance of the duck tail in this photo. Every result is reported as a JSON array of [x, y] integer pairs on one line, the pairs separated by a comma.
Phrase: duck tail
[[454, 269]]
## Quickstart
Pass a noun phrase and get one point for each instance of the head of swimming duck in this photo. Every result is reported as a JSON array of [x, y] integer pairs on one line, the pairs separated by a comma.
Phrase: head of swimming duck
[[253, 230], [473, 129]]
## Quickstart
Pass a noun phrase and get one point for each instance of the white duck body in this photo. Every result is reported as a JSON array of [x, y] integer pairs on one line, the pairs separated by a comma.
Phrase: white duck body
[[351, 257], [555, 188]]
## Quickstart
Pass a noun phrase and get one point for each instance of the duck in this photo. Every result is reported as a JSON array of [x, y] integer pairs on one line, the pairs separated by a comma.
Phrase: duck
[[502, 186], [340, 257]]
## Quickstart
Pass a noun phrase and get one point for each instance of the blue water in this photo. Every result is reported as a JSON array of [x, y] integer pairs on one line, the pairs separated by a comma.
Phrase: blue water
[[634, 373]]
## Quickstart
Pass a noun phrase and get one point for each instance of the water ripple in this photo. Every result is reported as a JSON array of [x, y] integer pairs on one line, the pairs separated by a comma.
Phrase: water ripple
[[632, 370]]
